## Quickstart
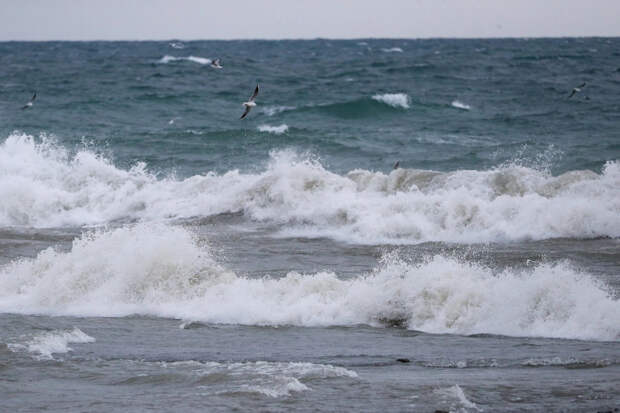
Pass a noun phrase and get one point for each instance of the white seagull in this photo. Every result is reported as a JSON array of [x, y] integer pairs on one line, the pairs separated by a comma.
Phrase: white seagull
[[216, 64], [577, 89], [250, 103], [31, 102]]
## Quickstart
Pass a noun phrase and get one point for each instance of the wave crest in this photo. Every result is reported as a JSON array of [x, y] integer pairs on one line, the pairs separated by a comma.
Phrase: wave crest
[[195, 59], [396, 100], [164, 271], [277, 130], [41, 185]]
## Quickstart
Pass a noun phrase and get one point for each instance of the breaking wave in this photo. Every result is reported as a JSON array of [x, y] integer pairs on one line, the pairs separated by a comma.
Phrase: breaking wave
[[44, 345], [195, 59], [460, 105], [396, 100], [42, 185], [277, 130], [165, 271], [392, 50]]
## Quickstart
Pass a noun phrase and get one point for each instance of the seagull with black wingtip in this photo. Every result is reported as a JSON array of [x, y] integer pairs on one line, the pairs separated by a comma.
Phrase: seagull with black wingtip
[[577, 89], [31, 102], [250, 103]]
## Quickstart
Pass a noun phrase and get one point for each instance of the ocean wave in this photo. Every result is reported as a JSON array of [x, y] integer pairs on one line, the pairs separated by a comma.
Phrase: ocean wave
[[44, 345], [277, 130], [195, 59], [42, 185], [392, 50], [456, 393], [162, 270], [460, 105], [273, 379], [396, 100]]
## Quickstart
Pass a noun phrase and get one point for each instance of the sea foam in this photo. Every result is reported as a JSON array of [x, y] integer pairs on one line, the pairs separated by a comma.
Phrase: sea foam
[[276, 130], [396, 100], [195, 59], [162, 270], [42, 185], [44, 345], [460, 105], [392, 50]]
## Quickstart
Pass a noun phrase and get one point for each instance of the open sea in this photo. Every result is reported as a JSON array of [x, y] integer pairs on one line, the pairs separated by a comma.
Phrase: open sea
[[159, 254]]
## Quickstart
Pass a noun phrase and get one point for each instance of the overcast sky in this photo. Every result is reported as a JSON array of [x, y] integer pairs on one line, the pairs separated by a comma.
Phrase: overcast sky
[[282, 19]]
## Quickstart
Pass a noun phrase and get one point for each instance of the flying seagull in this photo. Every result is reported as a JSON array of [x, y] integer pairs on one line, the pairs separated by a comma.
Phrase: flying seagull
[[577, 89], [31, 102], [250, 103], [397, 165], [216, 64]]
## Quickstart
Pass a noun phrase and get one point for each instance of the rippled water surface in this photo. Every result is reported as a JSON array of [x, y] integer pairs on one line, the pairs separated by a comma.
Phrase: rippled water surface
[[158, 253]]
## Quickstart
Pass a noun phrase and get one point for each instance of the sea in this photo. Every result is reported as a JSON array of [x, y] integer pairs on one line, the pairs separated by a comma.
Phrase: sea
[[157, 253]]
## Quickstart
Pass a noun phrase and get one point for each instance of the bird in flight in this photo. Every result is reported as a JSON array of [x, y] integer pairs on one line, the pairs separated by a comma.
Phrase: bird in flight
[[577, 89], [250, 103], [31, 102], [216, 64]]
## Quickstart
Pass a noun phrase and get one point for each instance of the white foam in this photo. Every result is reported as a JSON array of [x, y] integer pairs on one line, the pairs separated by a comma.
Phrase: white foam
[[396, 100], [45, 344], [158, 270], [195, 59], [456, 392], [392, 50], [460, 105], [278, 387], [42, 185], [277, 130]]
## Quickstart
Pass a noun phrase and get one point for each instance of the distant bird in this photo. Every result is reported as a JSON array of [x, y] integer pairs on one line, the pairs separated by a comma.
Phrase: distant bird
[[577, 89], [250, 103], [216, 64], [31, 102], [397, 165]]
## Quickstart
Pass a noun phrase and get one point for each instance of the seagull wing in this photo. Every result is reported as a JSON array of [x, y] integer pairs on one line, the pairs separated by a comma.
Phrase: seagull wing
[[247, 110], [254, 94], [34, 97], [572, 93], [582, 85]]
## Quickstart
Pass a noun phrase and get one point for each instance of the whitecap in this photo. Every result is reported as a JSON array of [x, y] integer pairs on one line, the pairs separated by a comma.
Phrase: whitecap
[[396, 100], [160, 270], [456, 392], [276, 130], [195, 59], [392, 50], [44, 345], [460, 105]]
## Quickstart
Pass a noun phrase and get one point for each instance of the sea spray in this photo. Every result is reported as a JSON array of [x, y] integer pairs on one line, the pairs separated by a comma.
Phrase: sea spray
[[42, 185], [162, 270]]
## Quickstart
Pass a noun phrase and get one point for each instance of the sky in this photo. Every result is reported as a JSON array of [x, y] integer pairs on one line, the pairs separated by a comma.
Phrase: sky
[[294, 19]]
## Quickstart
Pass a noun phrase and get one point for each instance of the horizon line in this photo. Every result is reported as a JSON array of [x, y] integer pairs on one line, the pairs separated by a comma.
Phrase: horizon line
[[310, 39]]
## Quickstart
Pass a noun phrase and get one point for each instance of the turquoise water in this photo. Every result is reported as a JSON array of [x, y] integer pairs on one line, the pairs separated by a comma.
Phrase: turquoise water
[[121, 97]]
